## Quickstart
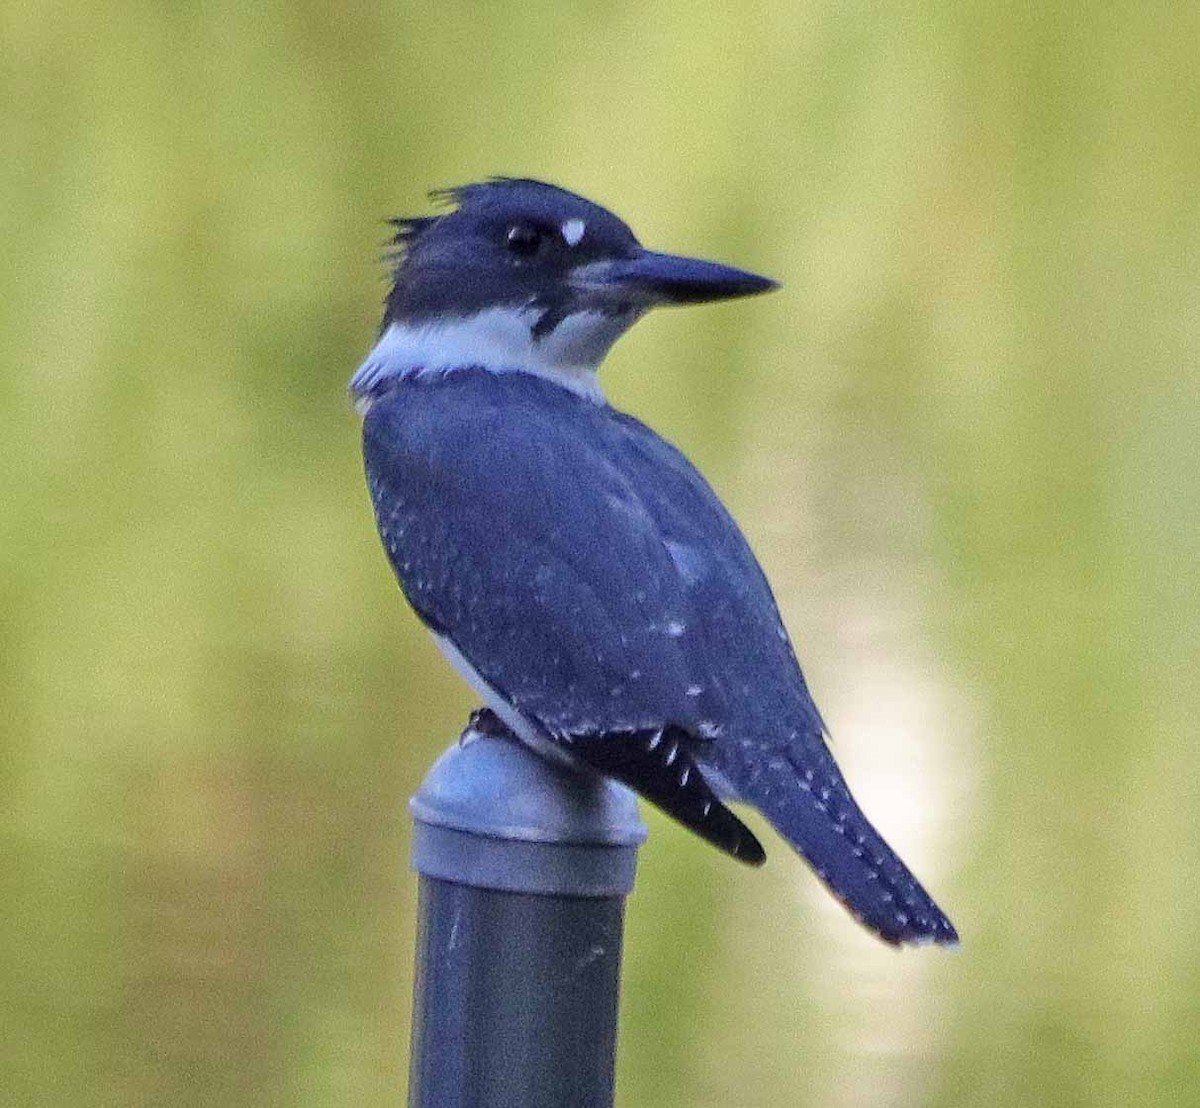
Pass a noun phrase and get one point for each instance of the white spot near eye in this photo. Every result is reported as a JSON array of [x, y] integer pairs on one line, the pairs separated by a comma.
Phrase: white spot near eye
[[572, 231]]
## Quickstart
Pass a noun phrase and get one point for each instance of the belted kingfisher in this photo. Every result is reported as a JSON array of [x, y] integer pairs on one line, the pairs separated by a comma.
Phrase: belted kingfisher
[[574, 566]]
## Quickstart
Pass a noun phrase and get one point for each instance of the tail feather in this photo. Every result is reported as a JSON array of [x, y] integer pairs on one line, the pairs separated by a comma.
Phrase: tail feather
[[803, 795], [659, 765]]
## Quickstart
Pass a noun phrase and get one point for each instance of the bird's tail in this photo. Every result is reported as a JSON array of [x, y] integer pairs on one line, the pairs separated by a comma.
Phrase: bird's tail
[[803, 794]]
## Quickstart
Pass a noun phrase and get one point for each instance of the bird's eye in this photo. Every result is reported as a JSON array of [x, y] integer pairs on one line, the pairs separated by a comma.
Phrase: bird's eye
[[524, 240]]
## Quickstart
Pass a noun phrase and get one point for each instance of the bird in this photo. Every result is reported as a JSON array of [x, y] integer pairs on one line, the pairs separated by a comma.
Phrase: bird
[[573, 565]]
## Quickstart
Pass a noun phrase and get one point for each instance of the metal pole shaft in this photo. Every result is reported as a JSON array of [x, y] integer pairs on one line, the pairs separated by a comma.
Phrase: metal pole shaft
[[524, 870]]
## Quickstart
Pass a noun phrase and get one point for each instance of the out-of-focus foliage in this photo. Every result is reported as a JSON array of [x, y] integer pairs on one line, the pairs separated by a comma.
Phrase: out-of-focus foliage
[[963, 439]]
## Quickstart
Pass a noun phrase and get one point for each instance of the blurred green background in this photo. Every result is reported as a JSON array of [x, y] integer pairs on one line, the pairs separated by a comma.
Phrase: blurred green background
[[963, 439]]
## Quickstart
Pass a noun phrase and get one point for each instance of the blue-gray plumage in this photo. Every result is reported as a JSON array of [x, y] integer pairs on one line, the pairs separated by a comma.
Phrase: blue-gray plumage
[[574, 564]]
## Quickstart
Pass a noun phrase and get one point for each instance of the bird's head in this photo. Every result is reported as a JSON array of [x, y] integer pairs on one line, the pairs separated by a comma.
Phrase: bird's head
[[523, 275]]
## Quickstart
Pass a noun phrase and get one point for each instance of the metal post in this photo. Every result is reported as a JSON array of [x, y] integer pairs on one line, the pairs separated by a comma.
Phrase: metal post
[[525, 867]]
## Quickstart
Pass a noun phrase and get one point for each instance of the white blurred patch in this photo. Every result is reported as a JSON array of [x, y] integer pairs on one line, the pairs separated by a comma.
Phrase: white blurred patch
[[898, 728], [859, 595]]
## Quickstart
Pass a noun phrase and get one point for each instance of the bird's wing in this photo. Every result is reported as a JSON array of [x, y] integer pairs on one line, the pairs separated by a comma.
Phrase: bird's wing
[[517, 536], [517, 533]]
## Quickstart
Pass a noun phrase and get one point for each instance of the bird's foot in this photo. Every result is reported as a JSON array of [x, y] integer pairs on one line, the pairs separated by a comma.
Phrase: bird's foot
[[484, 722]]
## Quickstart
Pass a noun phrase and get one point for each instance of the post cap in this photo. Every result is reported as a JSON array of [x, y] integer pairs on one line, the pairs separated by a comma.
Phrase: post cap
[[493, 813]]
